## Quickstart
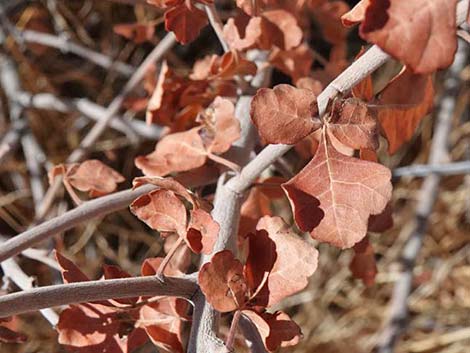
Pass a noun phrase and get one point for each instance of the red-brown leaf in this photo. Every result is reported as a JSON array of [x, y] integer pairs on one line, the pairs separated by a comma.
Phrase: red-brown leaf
[[177, 152], [70, 272], [336, 194], [353, 125], [137, 32], [276, 330], [94, 177], [284, 114], [223, 283], [406, 99], [420, 33], [185, 23], [363, 264], [202, 232], [287, 258], [161, 210]]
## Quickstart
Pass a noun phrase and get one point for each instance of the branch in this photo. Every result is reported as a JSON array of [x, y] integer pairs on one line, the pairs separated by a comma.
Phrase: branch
[[88, 109], [94, 134], [82, 292], [422, 170], [226, 213], [398, 316], [355, 73], [67, 46]]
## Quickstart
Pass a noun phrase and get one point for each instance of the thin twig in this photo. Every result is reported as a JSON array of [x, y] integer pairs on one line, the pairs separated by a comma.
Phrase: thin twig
[[422, 170], [398, 316], [82, 292]]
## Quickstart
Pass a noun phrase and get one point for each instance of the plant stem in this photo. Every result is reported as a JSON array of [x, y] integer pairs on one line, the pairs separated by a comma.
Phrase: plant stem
[[233, 330], [168, 257]]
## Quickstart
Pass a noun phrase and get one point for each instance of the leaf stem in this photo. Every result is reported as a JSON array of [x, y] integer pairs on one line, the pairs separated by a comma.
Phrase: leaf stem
[[233, 330], [168, 257]]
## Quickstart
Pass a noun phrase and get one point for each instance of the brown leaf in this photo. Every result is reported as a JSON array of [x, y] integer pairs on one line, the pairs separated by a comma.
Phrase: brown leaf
[[7, 335], [202, 232], [356, 14], [233, 35], [222, 282], [94, 177], [70, 272], [177, 152], [353, 125], [231, 64], [381, 222], [163, 322], [406, 99], [335, 194], [363, 264], [420, 33], [95, 328], [296, 62], [287, 258], [287, 24], [328, 15], [284, 114], [185, 23], [161, 210], [276, 330], [220, 127]]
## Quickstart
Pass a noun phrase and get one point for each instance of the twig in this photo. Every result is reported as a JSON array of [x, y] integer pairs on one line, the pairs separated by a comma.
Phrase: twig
[[233, 330], [79, 153], [88, 109], [355, 73], [217, 25], [226, 212], [398, 317], [81, 292], [422, 170], [67, 46], [15, 273]]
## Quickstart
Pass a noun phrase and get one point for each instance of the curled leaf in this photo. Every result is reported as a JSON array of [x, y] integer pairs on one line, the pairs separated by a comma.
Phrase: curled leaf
[[223, 283]]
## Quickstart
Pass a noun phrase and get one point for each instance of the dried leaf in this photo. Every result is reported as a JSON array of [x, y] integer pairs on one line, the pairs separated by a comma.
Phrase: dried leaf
[[177, 152], [336, 194], [70, 272], [185, 22], [202, 232], [284, 114], [223, 283], [289, 260], [363, 264], [296, 62], [276, 330], [406, 100], [161, 210], [137, 32], [420, 33], [353, 125]]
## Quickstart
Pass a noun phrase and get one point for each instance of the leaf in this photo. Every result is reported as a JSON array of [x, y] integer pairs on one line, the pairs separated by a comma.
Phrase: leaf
[[202, 232], [220, 127], [420, 33], [185, 23], [231, 64], [356, 14], [353, 125], [113, 272], [295, 63], [363, 264], [223, 283], [328, 16], [94, 177], [276, 330], [162, 320], [287, 25], [177, 152], [161, 210], [70, 272], [407, 99], [7, 335], [381, 222], [287, 258], [171, 185], [335, 194], [252, 31], [284, 114], [95, 328]]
